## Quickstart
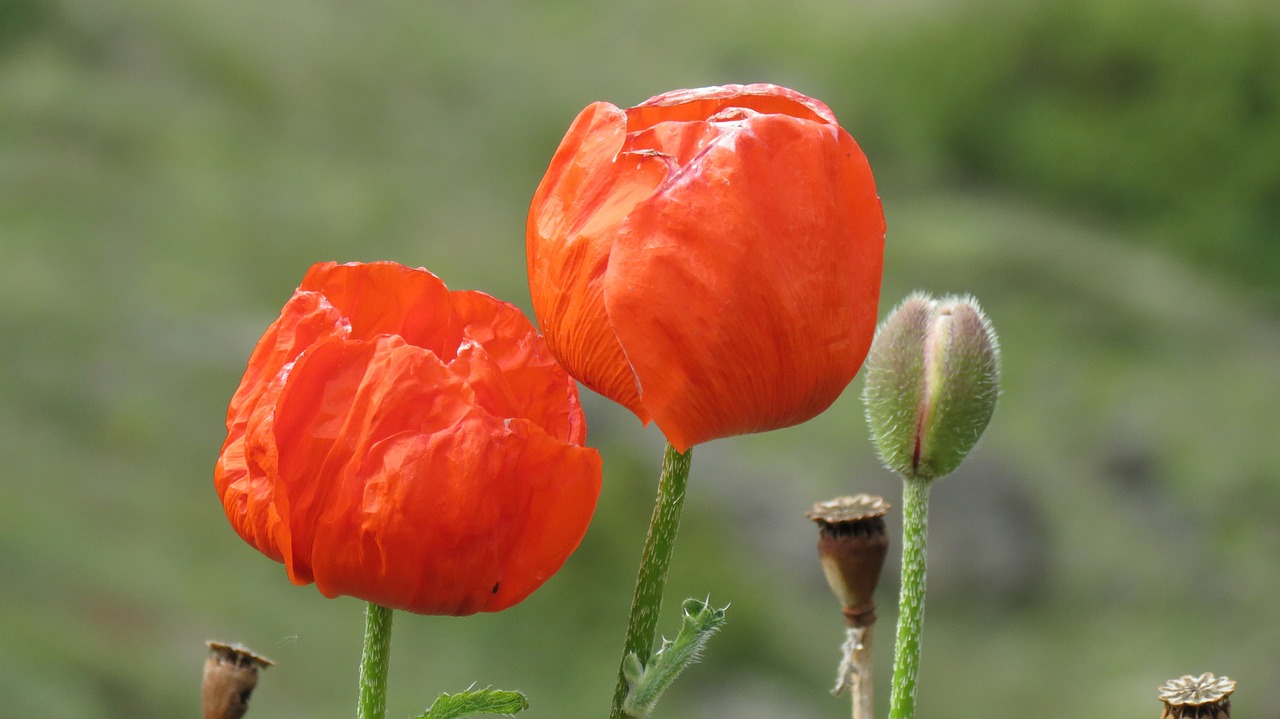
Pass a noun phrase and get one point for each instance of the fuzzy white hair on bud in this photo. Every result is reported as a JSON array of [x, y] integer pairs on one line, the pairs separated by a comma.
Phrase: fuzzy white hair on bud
[[932, 381]]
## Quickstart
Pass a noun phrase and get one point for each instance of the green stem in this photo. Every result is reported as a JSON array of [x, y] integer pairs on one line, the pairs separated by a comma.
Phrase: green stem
[[906, 653], [373, 663], [647, 600]]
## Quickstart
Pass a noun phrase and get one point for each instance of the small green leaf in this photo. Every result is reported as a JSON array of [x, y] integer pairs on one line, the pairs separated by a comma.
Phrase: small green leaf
[[476, 701], [647, 683]]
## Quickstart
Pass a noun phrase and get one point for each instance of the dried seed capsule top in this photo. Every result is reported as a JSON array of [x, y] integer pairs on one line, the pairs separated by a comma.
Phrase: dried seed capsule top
[[852, 543], [230, 676], [1206, 696], [933, 376]]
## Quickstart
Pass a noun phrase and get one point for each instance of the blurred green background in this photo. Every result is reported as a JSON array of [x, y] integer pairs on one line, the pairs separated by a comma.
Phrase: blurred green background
[[1103, 174]]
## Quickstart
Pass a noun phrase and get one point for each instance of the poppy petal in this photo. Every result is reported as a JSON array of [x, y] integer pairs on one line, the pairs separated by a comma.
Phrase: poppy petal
[[430, 519], [386, 298], [743, 292], [538, 390], [244, 473], [588, 190]]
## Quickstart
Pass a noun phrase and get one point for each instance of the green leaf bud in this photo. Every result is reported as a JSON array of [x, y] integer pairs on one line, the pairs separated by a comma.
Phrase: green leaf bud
[[646, 683], [932, 379]]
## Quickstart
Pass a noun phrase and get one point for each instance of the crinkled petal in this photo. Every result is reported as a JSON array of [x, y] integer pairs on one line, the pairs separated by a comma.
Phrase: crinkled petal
[[559, 485], [403, 491], [701, 103], [587, 192], [386, 298], [531, 380], [245, 472]]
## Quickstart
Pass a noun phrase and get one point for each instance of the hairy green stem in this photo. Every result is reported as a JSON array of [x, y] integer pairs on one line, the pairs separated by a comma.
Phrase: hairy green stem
[[906, 653], [374, 662], [652, 579]]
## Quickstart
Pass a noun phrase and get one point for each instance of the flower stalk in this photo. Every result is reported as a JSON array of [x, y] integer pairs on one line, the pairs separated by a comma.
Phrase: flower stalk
[[854, 672], [374, 662], [906, 653], [646, 602]]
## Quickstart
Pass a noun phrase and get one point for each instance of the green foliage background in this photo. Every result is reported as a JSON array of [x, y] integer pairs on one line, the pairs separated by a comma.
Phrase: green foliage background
[[1104, 176]]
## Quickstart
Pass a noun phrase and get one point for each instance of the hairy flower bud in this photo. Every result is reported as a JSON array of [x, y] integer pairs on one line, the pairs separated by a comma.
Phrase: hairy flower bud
[[933, 376]]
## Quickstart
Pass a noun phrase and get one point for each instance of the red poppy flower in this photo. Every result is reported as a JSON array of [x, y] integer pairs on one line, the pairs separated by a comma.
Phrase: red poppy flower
[[710, 259], [404, 444]]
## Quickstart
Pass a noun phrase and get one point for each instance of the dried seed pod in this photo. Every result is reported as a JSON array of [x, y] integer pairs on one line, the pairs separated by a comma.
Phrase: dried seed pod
[[852, 543], [1203, 697], [230, 676]]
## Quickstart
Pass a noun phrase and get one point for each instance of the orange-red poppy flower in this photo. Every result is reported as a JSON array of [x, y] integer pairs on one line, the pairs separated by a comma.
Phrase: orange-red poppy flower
[[710, 258], [404, 444]]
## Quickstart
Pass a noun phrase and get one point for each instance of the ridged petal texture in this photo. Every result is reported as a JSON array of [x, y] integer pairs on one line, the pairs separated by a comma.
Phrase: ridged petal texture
[[710, 259], [404, 444]]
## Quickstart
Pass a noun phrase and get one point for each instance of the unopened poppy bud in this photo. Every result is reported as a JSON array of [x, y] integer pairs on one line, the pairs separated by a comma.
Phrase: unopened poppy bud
[[933, 376], [852, 543], [1203, 697], [230, 676]]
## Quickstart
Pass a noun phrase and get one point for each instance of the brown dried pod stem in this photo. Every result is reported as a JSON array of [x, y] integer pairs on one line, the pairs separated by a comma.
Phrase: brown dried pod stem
[[1197, 697], [852, 544], [230, 676]]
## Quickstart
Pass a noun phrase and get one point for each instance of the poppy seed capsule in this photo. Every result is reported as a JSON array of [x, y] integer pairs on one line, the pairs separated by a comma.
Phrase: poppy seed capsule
[[1203, 697], [933, 376], [852, 544], [230, 676]]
